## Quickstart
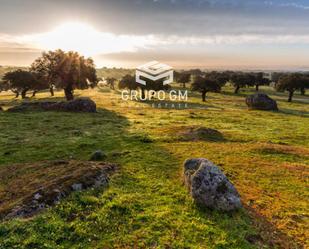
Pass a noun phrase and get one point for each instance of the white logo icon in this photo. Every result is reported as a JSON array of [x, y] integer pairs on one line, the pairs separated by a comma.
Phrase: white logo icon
[[154, 70]]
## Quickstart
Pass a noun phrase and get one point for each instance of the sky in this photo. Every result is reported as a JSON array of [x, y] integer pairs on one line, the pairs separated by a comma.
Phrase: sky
[[214, 34]]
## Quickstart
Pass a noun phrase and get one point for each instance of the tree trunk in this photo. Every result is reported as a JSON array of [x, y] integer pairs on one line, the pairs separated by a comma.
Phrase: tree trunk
[[257, 88], [16, 94], [204, 96], [23, 93], [290, 96], [184, 84], [33, 94], [303, 91], [51, 90], [236, 89], [68, 91]]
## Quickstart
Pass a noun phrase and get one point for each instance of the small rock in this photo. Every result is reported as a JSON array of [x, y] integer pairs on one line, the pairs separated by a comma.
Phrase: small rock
[[209, 186], [37, 196], [41, 206], [77, 186], [101, 180], [98, 156], [261, 101], [57, 195]]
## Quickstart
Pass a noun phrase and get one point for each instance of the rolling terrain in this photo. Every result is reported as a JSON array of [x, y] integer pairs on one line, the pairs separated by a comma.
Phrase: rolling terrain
[[264, 154]]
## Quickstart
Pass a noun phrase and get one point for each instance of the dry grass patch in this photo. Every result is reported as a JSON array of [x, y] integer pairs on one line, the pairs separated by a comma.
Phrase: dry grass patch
[[269, 148], [48, 181]]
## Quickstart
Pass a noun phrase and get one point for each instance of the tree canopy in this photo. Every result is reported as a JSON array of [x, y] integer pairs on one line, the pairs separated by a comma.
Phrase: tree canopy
[[128, 82], [66, 70], [240, 80], [220, 77], [21, 81], [111, 82], [182, 78], [291, 83], [204, 84], [260, 80]]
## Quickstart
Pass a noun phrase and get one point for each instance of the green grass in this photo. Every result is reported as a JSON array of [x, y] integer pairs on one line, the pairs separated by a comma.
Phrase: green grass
[[265, 154]]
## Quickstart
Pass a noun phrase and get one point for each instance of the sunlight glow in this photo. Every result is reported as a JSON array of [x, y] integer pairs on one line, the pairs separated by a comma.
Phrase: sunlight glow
[[130, 50], [85, 39]]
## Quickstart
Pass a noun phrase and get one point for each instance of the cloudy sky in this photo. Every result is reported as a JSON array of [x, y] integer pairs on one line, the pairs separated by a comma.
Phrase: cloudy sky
[[223, 34]]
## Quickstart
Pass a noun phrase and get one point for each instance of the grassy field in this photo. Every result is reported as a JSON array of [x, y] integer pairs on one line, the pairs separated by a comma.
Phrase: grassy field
[[265, 154]]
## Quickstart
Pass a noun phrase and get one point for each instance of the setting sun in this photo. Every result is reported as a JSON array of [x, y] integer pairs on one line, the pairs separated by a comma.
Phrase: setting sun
[[73, 36], [84, 38]]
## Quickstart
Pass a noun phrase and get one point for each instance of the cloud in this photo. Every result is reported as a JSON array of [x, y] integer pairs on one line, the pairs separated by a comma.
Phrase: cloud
[[239, 39], [216, 51], [176, 26], [288, 4], [177, 17], [93, 42], [76, 36]]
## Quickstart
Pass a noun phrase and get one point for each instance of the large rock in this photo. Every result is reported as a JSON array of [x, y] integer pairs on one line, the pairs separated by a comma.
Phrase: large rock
[[261, 101], [77, 105], [209, 187]]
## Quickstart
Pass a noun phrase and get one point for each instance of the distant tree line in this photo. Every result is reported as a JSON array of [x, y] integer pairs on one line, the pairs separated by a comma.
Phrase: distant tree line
[[205, 82], [69, 71], [213, 81]]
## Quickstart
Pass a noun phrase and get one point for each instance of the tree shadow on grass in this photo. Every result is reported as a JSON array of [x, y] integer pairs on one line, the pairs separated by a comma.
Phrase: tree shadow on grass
[[293, 112], [239, 94], [145, 202], [11, 101], [269, 232], [265, 234]]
